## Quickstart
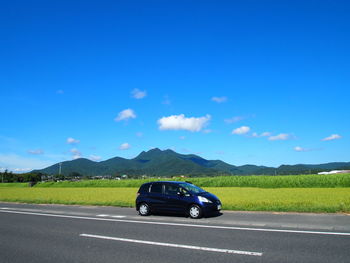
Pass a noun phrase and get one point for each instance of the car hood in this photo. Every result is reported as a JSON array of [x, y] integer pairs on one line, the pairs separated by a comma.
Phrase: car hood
[[209, 196]]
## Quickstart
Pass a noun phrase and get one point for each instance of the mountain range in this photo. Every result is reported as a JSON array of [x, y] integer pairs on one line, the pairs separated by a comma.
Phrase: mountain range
[[168, 163]]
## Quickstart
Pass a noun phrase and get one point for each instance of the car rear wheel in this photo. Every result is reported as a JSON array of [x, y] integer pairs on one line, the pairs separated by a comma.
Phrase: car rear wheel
[[144, 209], [195, 211]]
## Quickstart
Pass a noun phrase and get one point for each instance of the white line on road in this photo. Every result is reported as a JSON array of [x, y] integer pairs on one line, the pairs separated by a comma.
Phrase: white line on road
[[179, 224], [248, 253], [116, 216]]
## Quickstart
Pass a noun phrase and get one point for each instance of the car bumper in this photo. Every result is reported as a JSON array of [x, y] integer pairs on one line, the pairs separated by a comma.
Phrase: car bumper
[[211, 207]]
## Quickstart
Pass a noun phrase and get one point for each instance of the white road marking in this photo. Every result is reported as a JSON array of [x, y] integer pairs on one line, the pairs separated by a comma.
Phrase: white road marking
[[179, 224], [116, 216], [4, 208], [248, 253]]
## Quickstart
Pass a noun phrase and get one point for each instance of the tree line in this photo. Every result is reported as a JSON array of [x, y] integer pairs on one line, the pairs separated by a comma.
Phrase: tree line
[[10, 177]]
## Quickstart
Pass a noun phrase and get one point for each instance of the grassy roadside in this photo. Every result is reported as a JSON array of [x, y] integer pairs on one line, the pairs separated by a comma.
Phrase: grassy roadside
[[14, 185], [287, 181], [329, 200]]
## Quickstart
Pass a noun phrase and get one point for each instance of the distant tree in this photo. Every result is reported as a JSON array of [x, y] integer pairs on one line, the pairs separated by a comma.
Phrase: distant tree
[[36, 177], [60, 177], [20, 178], [8, 177]]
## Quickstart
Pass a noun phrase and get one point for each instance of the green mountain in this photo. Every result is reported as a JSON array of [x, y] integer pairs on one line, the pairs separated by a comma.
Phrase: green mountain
[[168, 163]]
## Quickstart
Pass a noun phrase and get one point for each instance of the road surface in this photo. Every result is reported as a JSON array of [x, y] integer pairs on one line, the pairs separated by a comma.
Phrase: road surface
[[55, 233]]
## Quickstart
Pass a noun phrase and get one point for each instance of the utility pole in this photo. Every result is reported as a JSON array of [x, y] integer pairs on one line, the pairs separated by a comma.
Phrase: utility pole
[[2, 175], [59, 168]]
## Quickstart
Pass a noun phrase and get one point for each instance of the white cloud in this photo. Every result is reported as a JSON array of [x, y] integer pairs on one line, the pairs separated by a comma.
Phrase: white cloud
[[300, 149], [280, 137], [95, 157], [332, 137], [75, 150], [138, 94], [207, 131], [16, 170], [14, 162], [124, 146], [76, 154], [180, 122], [265, 134], [234, 119], [255, 135], [219, 99], [36, 151], [21, 170], [241, 130], [71, 140], [125, 114], [182, 137]]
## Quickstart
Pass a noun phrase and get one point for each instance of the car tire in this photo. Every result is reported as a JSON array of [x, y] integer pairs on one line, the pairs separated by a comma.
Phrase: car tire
[[195, 211], [144, 209]]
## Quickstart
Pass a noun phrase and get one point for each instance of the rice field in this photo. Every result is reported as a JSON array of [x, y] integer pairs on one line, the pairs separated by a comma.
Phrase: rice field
[[329, 200], [83, 196]]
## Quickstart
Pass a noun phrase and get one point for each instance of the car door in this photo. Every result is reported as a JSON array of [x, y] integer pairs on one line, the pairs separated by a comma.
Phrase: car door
[[175, 202], [157, 199]]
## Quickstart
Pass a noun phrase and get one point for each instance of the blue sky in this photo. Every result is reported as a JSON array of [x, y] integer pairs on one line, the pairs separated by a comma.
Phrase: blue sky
[[247, 82]]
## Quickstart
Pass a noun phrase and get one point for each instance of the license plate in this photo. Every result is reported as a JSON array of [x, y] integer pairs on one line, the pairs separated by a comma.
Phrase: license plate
[[219, 207]]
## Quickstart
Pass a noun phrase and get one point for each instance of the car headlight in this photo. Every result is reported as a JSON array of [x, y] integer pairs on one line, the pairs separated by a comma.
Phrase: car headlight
[[203, 199]]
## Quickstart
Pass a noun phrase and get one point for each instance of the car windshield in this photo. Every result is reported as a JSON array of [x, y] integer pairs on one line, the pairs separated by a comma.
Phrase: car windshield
[[192, 188]]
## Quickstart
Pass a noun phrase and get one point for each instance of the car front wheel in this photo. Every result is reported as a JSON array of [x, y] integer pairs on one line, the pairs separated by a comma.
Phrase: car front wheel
[[195, 211], [144, 209]]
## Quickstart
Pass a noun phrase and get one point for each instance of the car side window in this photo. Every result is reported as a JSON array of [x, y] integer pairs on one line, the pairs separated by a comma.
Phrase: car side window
[[156, 188], [184, 191], [171, 189]]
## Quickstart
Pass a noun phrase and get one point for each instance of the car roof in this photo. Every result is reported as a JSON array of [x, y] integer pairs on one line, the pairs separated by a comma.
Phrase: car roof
[[173, 182]]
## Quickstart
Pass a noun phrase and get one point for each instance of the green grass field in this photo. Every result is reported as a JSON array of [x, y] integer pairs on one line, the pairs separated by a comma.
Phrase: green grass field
[[288, 181], [329, 200]]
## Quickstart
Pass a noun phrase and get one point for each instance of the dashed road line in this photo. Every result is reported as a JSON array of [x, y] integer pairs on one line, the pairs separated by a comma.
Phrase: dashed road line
[[113, 216]]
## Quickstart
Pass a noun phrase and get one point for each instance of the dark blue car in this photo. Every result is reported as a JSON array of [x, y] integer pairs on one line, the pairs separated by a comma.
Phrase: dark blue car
[[176, 197]]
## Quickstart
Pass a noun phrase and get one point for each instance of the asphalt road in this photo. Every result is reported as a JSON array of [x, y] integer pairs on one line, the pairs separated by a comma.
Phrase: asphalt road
[[53, 233]]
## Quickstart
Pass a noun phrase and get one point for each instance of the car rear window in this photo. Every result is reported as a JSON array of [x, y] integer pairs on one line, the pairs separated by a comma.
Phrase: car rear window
[[144, 188], [156, 188]]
